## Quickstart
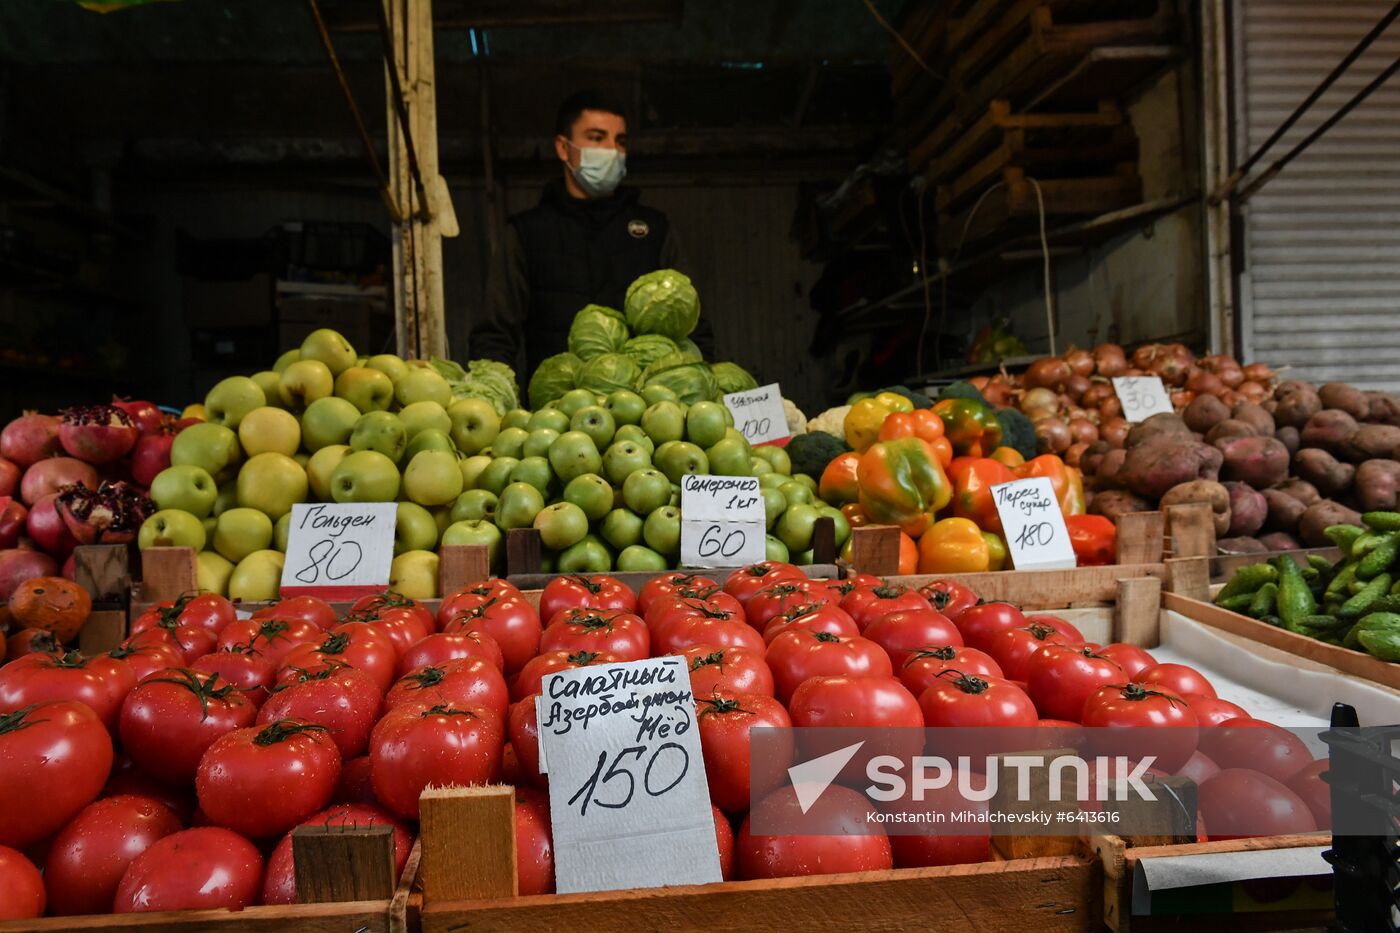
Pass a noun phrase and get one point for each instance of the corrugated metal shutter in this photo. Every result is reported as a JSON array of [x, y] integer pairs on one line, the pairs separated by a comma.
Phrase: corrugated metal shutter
[[1321, 286]]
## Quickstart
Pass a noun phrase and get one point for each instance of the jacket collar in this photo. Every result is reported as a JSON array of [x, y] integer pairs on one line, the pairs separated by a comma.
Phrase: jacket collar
[[596, 211]]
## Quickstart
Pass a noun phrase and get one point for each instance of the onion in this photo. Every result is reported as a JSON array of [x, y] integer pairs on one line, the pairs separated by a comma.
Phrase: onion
[[1204, 382], [979, 382], [1039, 403], [1230, 397], [1048, 372], [1082, 431], [1253, 391], [1052, 435], [1075, 454], [1145, 355], [1114, 431], [1081, 362], [1076, 385], [998, 392], [1109, 360], [1095, 395], [1173, 368], [1181, 398], [1183, 351], [1111, 408], [1258, 372], [1231, 376]]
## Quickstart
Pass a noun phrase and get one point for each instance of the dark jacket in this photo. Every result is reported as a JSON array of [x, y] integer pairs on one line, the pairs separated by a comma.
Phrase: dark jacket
[[560, 255]]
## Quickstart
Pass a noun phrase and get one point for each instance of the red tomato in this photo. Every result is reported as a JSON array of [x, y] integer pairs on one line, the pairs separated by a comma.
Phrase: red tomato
[[979, 623], [949, 598], [130, 781], [272, 638], [1310, 787], [963, 700], [1071, 634], [280, 882], [775, 600], [472, 597], [345, 700], [527, 682], [869, 604], [616, 632], [724, 842], [1238, 803], [577, 591], [667, 584], [1173, 733], [927, 851], [923, 666], [1212, 711], [727, 671], [41, 678], [1257, 745], [880, 703], [308, 608], [208, 611], [191, 641], [1199, 768], [21, 887], [410, 749], [687, 631], [403, 626], [1013, 647], [145, 660], [172, 717], [54, 759], [725, 724], [534, 842], [848, 843], [352, 644], [355, 785], [795, 656], [743, 583], [30, 641], [525, 739], [1131, 658], [244, 667], [693, 598], [905, 631], [194, 869], [389, 604], [288, 769], [451, 646], [812, 617], [1178, 678], [89, 856], [511, 621], [670, 609], [466, 683], [1061, 678]]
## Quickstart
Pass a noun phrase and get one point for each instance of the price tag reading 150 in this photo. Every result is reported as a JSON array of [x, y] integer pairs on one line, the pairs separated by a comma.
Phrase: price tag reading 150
[[758, 414], [1036, 536], [340, 550], [1141, 397]]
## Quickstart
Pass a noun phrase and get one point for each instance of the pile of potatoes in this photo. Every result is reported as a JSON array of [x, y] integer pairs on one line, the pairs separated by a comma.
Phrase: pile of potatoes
[[1276, 473]]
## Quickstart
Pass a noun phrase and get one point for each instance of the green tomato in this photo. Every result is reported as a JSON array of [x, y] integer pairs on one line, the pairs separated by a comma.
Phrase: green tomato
[[778, 457], [622, 528], [775, 550], [662, 531]]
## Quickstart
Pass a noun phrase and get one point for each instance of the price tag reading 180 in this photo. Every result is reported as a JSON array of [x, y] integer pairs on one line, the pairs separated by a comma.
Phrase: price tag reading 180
[[1036, 536], [1141, 397], [340, 550], [758, 414], [723, 523]]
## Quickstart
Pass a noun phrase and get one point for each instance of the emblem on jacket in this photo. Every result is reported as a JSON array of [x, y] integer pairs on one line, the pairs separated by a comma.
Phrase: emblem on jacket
[[638, 228]]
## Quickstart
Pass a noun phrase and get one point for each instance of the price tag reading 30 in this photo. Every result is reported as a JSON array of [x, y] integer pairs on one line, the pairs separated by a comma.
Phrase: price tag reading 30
[[339, 551], [758, 414], [1141, 397], [723, 523], [1036, 536]]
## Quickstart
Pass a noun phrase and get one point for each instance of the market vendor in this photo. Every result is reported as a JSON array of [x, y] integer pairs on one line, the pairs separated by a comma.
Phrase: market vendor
[[584, 243]]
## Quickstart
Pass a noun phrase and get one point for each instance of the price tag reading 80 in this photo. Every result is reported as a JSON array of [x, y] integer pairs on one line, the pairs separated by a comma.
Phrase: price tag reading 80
[[340, 550], [1141, 397]]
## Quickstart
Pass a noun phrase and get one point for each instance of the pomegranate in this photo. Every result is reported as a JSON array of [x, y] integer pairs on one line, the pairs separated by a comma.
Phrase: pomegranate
[[9, 477], [145, 415], [49, 476], [112, 514], [20, 564], [12, 516], [97, 433], [48, 529], [69, 570], [150, 456], [30, 438]]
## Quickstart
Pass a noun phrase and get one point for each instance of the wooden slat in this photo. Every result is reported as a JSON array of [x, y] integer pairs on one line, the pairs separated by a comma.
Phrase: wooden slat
[[461, 565], [1137, 612], [1189, 576], [1191, 526], [301, 918], [167, 573], [875, 549], [104, 630], [1046, 589], [335, 863], [522, 551], [104, 571], [1140, 538], [468, 843]]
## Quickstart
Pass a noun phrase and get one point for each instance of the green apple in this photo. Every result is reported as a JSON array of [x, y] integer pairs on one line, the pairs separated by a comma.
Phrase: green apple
[[474, 505], [561, 525], [646, 491], [304, 382], [475, 424], [286, 359], [211, 572], [322, 465], [658, 393], [626, 406], [595, 421], [518, 506], [365, 476], [367, 389], [774, 505], [681, 459], [664, 421], [496, 476], [535, 471], [480, 532], [635, 558], [326, 422], [730, 432], [759, 467], [804, 558], [575, 399], [622, 528], [257, 578], [188, 488], [425, 416], [211, 447], [270, 382], [302, 458], [415, 574], [537, 443], [423, 385], [704, 424], [281, 532], [622, 459], [729, 457], [796, 494], [330, 348], [509, 443], [590, 555], [380, 431], [843, 524], [210, 523], [574, 454], [771, 480], [591, 493], [635, 434], [549, 561], [442, 517], [551, 418], [795, 526], [389, 365], [227, 498], [431, 439], [472, 468], [806, 480], [231, 399], [271, 483], [433, 478], [415, 529], [240, 532], [675, 496], [171, 528], [775, 550], [269, 430], [782, 463], [516, 418], [662, 531]]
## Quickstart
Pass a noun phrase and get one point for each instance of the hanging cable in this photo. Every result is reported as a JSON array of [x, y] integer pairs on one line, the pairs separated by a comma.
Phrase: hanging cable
[[1045, 255]]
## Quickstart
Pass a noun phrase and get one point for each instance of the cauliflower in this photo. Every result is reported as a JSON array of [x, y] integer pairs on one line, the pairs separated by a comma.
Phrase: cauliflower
[[832, 421], [796, 421]]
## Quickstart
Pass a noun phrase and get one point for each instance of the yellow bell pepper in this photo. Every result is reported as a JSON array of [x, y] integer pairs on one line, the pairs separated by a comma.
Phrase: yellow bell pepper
[[954, 545], [863, 421], [996, 548]]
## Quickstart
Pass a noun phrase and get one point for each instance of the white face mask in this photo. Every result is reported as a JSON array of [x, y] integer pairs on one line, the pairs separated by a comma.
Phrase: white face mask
[[600, 170]]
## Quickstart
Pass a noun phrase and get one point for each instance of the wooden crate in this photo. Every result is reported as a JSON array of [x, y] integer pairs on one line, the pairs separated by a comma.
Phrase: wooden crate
[[1016, 205], [104, 571], [1000, 126]]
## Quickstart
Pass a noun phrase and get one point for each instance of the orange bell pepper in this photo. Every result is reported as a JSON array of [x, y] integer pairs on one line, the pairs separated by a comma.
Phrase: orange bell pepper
[[908, 555], [838, 483], [855, 515], [942, 451], [1067, 482], [973, 479], [954, 545], [921, 423], [1009, 456], [901, 483]]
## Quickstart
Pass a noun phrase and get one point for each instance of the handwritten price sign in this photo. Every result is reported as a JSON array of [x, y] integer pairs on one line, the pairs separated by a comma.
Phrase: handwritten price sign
[[1036, 536], [339, 551], [722, 521], [758, 414], [1141, 397], [628, 798]]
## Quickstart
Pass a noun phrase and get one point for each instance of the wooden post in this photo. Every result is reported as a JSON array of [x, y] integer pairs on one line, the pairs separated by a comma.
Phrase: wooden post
[[336, 863], [824, 541], [1037, 801], [104, 630], [167, 573], [1192, 527], [522, 551], [1189, 577], [1137, 613], [104, 571], [875, 549], [461, 565], [1140, 538], [1168, 820], [468, 836]]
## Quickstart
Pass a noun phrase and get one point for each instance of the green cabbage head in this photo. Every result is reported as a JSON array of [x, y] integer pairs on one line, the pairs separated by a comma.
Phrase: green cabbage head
[[689, 379], [554, 376], [662, 302], [732, 377], [609, 372], [597, 330], [648, 348]]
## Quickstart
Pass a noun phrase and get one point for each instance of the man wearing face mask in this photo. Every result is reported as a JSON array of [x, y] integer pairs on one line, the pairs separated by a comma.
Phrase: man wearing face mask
[[584, 243]]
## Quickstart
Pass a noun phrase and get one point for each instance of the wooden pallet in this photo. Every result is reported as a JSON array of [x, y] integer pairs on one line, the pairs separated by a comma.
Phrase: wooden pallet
[[1000, 123], [1045, 156]]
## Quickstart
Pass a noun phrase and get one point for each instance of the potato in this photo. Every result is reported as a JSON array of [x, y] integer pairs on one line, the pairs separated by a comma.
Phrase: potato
[[1115, 503], [1242, 545], [1300, 489], [1259, 461], [1110, 469], [1248, 509], [1291, 387], [1378, 485], [1154, 427], [1204, 413], [1328, 429], [1345, 398], [1284, 511], [1280, 541], [1152, 468], [1372, 442], [1321, 516], [1256, 417], [1203, 490], [1289, 438], [1229, 428], [1323, 470], [1385, 409], [1294, 410], [1089, 460]]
